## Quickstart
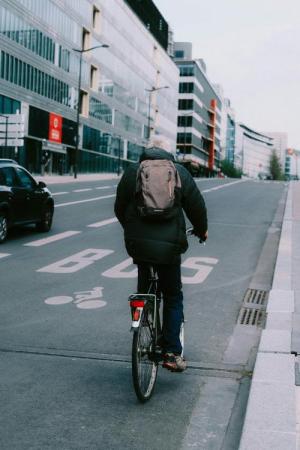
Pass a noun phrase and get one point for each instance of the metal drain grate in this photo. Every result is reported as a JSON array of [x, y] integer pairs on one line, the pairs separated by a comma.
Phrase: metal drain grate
[[253, 310], [255, 296], [251, 316]]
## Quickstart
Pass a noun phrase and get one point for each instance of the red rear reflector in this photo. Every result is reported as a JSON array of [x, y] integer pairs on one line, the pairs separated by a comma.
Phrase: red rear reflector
[[136, 315], [137, 303]]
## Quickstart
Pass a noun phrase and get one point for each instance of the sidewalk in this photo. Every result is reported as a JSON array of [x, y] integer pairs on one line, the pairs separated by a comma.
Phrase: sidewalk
[[52, 179], [273, 410]]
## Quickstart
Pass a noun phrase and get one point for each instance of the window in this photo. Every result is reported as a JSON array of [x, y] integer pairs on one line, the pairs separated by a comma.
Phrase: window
[[86, 38], [84, 103], [94, 78], [186, 88], [186, 71], [8, 176], [185, 104], [179, 53], [96, 19], [25, 179], [185, 121]]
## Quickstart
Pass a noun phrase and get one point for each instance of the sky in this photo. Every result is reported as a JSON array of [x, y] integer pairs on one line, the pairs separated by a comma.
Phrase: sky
[[251, 48]]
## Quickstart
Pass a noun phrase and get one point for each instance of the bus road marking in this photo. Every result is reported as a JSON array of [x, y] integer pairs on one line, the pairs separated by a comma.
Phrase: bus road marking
[[76, 262]]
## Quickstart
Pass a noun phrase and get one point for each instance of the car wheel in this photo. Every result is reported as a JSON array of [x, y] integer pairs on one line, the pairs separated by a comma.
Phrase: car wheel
[[3, 227], [46, 220]]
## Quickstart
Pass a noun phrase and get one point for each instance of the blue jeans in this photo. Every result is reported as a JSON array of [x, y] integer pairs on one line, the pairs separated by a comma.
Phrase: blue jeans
[[170, 285]]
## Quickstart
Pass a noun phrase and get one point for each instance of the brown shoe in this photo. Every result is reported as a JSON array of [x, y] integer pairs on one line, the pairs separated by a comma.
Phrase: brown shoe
[[174, 363]]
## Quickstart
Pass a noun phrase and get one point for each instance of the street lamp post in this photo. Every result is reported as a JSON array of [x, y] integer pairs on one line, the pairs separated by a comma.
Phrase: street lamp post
[[6, 129], [153, 89], [78, 101], [119, 156]]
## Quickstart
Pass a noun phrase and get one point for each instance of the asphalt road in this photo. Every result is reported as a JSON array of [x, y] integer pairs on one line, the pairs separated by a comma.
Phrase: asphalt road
[[64, 326]]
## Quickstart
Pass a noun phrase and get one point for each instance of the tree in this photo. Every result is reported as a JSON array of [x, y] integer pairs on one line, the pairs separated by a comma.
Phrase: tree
[[275, 167], [229, 170]]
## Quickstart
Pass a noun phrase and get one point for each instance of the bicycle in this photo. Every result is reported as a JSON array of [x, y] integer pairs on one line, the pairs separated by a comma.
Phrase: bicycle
[[146, 327]]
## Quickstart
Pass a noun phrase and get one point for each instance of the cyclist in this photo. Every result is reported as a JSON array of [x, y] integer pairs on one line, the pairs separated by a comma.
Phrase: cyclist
[[161, 243]]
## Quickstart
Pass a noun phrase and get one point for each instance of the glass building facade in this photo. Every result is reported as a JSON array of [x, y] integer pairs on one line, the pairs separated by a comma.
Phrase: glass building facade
[[41, 45]]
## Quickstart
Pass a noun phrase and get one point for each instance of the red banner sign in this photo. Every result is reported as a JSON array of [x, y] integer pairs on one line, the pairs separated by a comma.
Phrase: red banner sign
[[55, 128]]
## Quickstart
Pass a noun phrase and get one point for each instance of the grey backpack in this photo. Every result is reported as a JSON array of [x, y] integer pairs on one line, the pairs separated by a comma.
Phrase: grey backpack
[[157, 189]]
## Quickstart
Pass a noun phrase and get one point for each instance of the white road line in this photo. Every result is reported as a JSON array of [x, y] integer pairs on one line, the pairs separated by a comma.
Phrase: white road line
[[55, 237], [3, 255], [103, 187], [82, 190], [59, 193], [85, 201], [222, 186], [103, 222]]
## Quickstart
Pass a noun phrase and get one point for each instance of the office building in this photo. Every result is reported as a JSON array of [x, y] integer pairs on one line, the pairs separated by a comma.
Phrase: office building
[[128, 89], [253, 152], [227, 126], [199, 114], [280, 141], [292, 164]]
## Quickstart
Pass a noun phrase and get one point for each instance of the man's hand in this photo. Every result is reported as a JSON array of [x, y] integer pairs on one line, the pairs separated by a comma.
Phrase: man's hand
[[204, 237]]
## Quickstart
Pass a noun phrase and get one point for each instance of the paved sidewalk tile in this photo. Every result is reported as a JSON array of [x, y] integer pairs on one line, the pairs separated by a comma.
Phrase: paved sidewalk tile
[[281, 300], [278, 341]]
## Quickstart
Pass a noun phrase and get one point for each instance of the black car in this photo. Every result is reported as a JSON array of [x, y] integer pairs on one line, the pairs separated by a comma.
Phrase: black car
[[22, 199]]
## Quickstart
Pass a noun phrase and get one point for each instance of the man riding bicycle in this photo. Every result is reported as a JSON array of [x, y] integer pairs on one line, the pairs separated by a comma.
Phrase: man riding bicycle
[[161, 240]]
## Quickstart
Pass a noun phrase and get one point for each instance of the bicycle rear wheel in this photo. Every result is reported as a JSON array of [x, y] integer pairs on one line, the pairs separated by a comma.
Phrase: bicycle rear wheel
[[144, 366]]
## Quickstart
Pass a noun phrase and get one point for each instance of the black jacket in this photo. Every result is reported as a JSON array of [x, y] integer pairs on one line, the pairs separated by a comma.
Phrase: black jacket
[[158, 242]]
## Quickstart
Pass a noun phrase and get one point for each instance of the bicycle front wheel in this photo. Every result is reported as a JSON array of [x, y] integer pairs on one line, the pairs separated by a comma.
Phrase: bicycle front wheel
[[144, 366]]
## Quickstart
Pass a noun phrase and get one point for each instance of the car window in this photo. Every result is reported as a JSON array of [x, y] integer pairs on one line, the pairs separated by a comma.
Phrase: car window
[[25, 180], [2, 178], [8, 176]]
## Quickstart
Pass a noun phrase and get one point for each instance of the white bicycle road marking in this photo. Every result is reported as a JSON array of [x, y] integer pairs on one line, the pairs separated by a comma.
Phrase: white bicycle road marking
[[54, 238], [76, 202], [59, 300], [76, 262], [223, 186], [103, 222], [3, 255], [83, 300]]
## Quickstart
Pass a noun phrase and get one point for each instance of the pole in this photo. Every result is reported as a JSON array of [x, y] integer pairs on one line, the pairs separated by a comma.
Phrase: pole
[[153, 89], [78, 106], [149, 109], [6, 131], [184, 138], [119, 157], [77, 119]]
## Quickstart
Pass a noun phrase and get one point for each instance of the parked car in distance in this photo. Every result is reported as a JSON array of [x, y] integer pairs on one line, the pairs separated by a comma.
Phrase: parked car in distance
[[5, 160], [22, 199]]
